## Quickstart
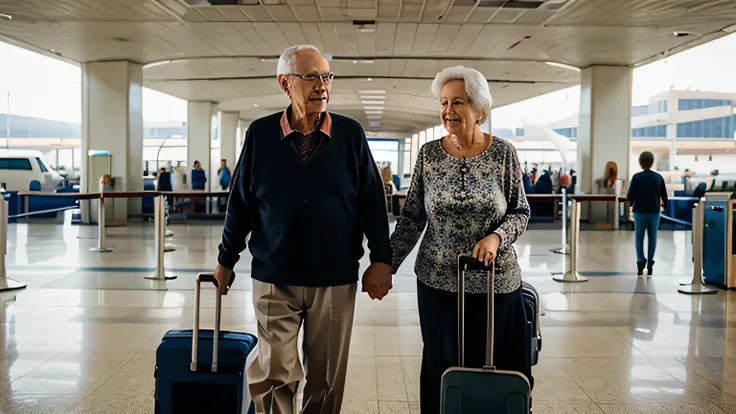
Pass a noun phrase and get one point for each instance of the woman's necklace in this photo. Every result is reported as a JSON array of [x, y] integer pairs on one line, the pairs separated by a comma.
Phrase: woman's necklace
[[459, 147]]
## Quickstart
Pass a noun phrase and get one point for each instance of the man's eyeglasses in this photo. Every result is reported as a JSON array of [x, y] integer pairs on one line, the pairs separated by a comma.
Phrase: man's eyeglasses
[[326, 77]]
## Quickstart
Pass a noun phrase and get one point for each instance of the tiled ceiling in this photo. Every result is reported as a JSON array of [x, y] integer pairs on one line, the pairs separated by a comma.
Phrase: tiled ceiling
[[227, 54]]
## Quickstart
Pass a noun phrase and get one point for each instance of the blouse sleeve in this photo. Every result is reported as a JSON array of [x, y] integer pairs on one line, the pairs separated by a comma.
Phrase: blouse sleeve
[[413, 217], [517, 213]]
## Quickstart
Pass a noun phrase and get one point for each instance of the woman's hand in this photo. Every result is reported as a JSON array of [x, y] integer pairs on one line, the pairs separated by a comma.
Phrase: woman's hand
[[486, 249]]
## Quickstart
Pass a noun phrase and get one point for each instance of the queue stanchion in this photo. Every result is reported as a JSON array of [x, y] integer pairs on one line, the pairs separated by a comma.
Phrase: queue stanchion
[[101, 220], [167, 233], [5, 283], [697, 286], [565, 249], [571, 272], [159, 219]]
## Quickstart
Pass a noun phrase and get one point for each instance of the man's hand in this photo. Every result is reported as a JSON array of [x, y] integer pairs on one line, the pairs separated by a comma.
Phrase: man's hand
[[377, 280], [224, 278]]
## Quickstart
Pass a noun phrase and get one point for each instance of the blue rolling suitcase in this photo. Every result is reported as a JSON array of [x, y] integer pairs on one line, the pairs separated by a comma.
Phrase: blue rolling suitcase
[[484, 390], [207, 375]]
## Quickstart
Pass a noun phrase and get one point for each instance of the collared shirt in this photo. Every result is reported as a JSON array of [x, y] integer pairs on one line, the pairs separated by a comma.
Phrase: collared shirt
[[306, 144]]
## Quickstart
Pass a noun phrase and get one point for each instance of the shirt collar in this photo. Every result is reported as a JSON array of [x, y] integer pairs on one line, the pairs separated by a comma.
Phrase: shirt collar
[[325, 124]]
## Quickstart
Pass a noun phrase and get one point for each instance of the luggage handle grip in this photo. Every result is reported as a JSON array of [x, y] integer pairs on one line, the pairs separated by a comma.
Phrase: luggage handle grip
[[206, 277], [464, 264]]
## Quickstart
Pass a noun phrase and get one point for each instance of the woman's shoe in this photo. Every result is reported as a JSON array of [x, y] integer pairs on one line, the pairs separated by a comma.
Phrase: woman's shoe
[[650, 271], [640, 268]]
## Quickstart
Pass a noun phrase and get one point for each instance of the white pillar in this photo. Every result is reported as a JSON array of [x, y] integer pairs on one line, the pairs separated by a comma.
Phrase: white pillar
[[242, 130], [604, 132], [112, 121], [202, 127], [228, 138]]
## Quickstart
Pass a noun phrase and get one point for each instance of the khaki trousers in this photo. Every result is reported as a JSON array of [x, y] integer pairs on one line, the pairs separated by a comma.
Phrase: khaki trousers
[[327, 314]]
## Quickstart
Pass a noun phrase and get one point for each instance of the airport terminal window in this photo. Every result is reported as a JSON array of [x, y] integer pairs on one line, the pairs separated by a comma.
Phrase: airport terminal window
[[657, 131], [690, 104], [18, 164], [385, 150], [723, 127]]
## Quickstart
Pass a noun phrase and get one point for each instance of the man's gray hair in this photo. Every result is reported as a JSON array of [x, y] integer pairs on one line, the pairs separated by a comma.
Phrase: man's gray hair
[[476, 85], [287, 59]]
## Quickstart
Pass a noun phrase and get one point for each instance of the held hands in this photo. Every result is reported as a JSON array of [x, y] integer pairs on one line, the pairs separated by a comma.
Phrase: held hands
[[485, 250], [377, 280], [224, 278]]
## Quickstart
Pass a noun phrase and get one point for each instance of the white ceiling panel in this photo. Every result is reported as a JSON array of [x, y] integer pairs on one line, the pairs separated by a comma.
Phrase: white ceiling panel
[[227, 54]]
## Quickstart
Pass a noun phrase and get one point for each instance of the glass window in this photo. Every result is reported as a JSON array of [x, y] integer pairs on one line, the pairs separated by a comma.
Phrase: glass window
[[22, 164], [41, 165]]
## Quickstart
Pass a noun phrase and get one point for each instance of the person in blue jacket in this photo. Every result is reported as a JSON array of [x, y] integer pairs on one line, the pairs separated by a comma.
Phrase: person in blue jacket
[[647, 192]]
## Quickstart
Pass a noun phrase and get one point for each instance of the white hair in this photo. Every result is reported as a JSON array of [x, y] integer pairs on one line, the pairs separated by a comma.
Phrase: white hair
[[476, 85], [287, 59]]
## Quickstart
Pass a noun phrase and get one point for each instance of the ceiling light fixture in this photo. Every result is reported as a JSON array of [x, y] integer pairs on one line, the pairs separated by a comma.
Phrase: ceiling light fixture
[[373, 108], [154, 64], [372, 102], [372, 92], [729, 29], [374, 112], [368, 61], [6, 16], [256, 105], [369, 79], [564, 66], [355, 61]]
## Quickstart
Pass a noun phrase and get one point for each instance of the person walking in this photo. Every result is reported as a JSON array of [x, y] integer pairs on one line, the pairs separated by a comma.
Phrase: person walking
[[467, 192], [647, 192], [307, 191]]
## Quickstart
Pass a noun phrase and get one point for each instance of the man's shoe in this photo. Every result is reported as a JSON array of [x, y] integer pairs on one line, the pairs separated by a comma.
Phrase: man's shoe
[[650, 270]]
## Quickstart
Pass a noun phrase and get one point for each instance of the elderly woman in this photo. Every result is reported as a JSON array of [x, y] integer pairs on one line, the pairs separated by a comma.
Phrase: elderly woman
[[468, 193]]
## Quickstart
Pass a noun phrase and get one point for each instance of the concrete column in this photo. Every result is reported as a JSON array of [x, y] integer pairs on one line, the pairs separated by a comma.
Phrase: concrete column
[[242, 130], [228, 138], [604, 132], [112, 122], [202, 128]]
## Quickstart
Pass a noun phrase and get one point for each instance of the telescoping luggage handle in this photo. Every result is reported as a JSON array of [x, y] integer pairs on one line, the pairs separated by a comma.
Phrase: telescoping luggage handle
[[207, 278], [464, 264]]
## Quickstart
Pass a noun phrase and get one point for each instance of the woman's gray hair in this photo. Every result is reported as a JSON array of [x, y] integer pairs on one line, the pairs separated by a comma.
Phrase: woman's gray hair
[[476, 85], [288, 57]]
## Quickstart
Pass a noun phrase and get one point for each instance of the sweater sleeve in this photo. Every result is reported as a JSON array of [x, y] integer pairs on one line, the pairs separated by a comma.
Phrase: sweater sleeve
[[374, 215], [663, 191], [239, 213], [517, 212], [633, 189], [413, 218]]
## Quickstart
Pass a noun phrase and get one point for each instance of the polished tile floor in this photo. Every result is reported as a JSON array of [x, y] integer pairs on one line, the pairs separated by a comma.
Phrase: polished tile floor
[[81, 338]]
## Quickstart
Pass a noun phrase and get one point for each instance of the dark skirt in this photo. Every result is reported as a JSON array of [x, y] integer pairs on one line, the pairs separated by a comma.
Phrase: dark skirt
[[438, 320]]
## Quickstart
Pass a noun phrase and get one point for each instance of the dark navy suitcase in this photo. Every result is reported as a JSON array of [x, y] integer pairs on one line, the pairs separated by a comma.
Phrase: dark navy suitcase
[[533, 313], [484, 390], [204, 376]]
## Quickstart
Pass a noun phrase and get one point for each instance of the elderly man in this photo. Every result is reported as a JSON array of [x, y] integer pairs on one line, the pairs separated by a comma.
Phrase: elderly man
[[307, 190]]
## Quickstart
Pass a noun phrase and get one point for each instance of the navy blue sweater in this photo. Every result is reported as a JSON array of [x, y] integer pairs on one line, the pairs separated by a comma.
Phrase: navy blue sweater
[[646, 191], [306, 219]]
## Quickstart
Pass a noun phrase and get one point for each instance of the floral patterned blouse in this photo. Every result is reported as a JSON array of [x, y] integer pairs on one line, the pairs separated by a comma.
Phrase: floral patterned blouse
[[460, 201]]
